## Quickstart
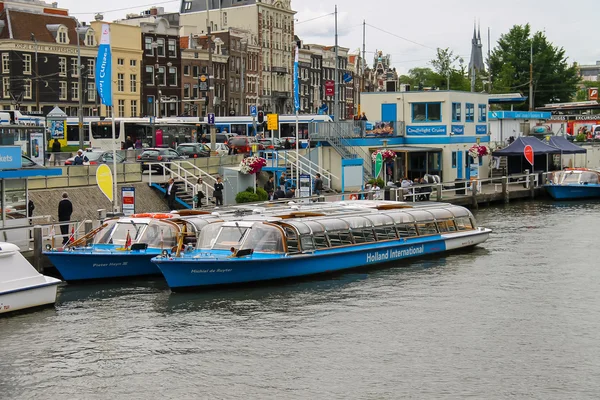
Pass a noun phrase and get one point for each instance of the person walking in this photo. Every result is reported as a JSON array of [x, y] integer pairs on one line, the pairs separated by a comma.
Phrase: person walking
[[318, 185], [65, 209], [199, 192], [218, 193], [170, 194], [287, 144], [56, 146], [270, 187], [282, 181], [80, 158]]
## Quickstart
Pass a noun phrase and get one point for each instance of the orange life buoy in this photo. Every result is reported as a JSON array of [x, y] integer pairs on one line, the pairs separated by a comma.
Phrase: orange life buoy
[[153, 215], [353, 197], [143, 215]]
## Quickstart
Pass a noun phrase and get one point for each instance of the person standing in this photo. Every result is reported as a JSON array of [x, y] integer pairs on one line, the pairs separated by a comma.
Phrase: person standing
[[56, 146], [218, 193], [65, 209], [287, 144], [128, 143], [282, 181], [80, 158], [170, 194], [290, 194], [318, 185], [199, 192], [270, 187]]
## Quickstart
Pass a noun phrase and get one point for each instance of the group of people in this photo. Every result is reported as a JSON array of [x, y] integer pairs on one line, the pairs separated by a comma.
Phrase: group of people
[[280, 192], [171, 193]]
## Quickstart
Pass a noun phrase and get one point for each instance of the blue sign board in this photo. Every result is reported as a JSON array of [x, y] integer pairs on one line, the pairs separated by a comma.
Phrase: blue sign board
[[211, 119], [10, 157], [253, 111], [426, 130], [458, 129], [519, 115], [347, 77], [481, 129]]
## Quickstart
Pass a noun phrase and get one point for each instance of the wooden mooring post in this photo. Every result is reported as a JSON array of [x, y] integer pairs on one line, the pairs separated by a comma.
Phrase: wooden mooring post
[[532, 185], [38, 245], [474, 194], [440, 188], [505, 189]]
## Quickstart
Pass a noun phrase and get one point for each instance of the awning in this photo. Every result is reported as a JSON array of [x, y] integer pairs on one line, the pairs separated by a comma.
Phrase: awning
[[565, 146], [408, 149], [517, 147]]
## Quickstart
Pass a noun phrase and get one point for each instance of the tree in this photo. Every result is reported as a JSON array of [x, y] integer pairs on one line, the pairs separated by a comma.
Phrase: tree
[[421, 78], [553, 79], [582, 93]]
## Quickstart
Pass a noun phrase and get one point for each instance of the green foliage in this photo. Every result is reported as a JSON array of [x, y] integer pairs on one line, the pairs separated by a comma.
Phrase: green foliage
[[262, 194], [581, 137], [553, 79], [246, 197], [379, 181]]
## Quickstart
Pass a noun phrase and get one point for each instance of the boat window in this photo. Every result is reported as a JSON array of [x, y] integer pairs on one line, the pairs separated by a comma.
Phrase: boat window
[[401, 217], [208, 235], [427, 228], [334, 224], [441, 213], [365, 235], [458, 211], [160, 235], [387, 232], [571, 177], [229, 236], [340, 238], [264, 238], [291, 240], [446, 226], [589, 177], [406, 230], [320, 240], [119, 234], [463, 224], [306, 241], [103, 236], [421, 216], [358, 222]]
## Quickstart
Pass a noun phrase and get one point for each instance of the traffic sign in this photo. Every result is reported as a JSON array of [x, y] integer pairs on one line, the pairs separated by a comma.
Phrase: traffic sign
[[203, 83], [253, 111], [211, 119], [272, 122]]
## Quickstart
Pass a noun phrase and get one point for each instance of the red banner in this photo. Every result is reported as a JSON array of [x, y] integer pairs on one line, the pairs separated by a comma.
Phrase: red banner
[[593, 93], [329, 88]]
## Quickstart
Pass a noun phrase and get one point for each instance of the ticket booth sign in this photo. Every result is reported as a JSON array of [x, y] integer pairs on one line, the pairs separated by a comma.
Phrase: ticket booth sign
[[128, 200]]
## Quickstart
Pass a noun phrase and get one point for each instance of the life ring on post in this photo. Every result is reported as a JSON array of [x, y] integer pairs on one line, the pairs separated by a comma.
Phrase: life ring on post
[[353, 197]]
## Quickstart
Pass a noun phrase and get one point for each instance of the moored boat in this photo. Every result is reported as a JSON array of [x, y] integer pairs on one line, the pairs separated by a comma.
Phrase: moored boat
[[21, 286], [121, 247], [267, 247], [574, 183]]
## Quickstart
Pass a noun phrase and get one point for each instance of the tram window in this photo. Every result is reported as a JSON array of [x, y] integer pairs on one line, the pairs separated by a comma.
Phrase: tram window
[[320, 241], [103, 130], [463, 224], [240, 129], [427, 228], [307, 243], [386, 232]]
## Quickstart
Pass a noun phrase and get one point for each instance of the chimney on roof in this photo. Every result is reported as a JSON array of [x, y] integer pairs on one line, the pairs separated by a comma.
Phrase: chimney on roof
[[55, 4]]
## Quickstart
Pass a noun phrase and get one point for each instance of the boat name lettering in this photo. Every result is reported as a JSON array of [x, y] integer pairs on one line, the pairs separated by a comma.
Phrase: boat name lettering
[[95, 265], [395, 253], [211, 271]]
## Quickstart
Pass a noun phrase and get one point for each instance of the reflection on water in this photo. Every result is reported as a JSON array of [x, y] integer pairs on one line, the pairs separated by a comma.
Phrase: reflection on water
[[516, 317]]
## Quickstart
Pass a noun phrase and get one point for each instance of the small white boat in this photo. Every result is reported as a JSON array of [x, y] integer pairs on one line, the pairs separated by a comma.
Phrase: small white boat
[[21, 286]]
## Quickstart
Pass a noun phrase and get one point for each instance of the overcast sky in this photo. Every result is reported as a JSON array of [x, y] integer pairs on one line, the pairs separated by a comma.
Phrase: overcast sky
[[415, 29]]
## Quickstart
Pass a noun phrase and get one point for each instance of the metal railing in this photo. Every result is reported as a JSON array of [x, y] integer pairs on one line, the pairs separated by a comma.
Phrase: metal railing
[[181, 171]]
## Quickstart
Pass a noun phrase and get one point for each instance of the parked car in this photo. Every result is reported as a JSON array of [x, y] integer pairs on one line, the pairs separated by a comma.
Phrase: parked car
[[27, 162], [243, 144], [98, 157], [271, 144], [193, 150], [221, 148], [160, 155]]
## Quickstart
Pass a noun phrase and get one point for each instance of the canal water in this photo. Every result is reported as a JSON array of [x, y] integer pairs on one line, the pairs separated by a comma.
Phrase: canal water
[[518, 317]]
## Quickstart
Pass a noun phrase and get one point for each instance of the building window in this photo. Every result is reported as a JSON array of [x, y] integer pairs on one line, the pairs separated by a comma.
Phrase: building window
[[5, 63], [186, 91], [91, 67], [160, 47], [121, 108], [27, 89], [172, 76], [27, 64], [133, 83], [75, 90], [427, 112], [6, 87], [91, 92], [89, 38], [74, 69], [172, 48], [62, 36], [62, 92], [456, 112], [186, 70], [195, 92], [132, 63], [120, 82], [187, 5], [148, 46], [469, 112], [196, 71], [120, 61], [134, 110], [482, 113], [161, 76], [62, 66], [149, 78], [454, 157]]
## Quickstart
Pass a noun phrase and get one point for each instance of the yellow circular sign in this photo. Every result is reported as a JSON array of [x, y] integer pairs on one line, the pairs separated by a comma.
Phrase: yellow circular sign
[[202, 78]]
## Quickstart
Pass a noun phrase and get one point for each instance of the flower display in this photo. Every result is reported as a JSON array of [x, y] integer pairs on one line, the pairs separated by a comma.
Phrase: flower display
[[387, 155], [478, 151], [252, 165]]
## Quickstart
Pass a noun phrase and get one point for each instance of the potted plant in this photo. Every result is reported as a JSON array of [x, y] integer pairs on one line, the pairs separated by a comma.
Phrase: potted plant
[[252, 165]]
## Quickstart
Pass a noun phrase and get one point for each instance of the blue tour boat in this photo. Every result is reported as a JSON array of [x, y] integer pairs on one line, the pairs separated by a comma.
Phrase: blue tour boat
[[574, 183], [124, 247], [266, 247]]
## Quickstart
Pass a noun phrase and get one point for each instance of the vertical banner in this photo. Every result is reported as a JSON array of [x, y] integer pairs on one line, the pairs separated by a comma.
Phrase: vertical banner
[[104, 68], [104, 179], [296, 83], [37, 147], [128, 200], [378, 164]]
